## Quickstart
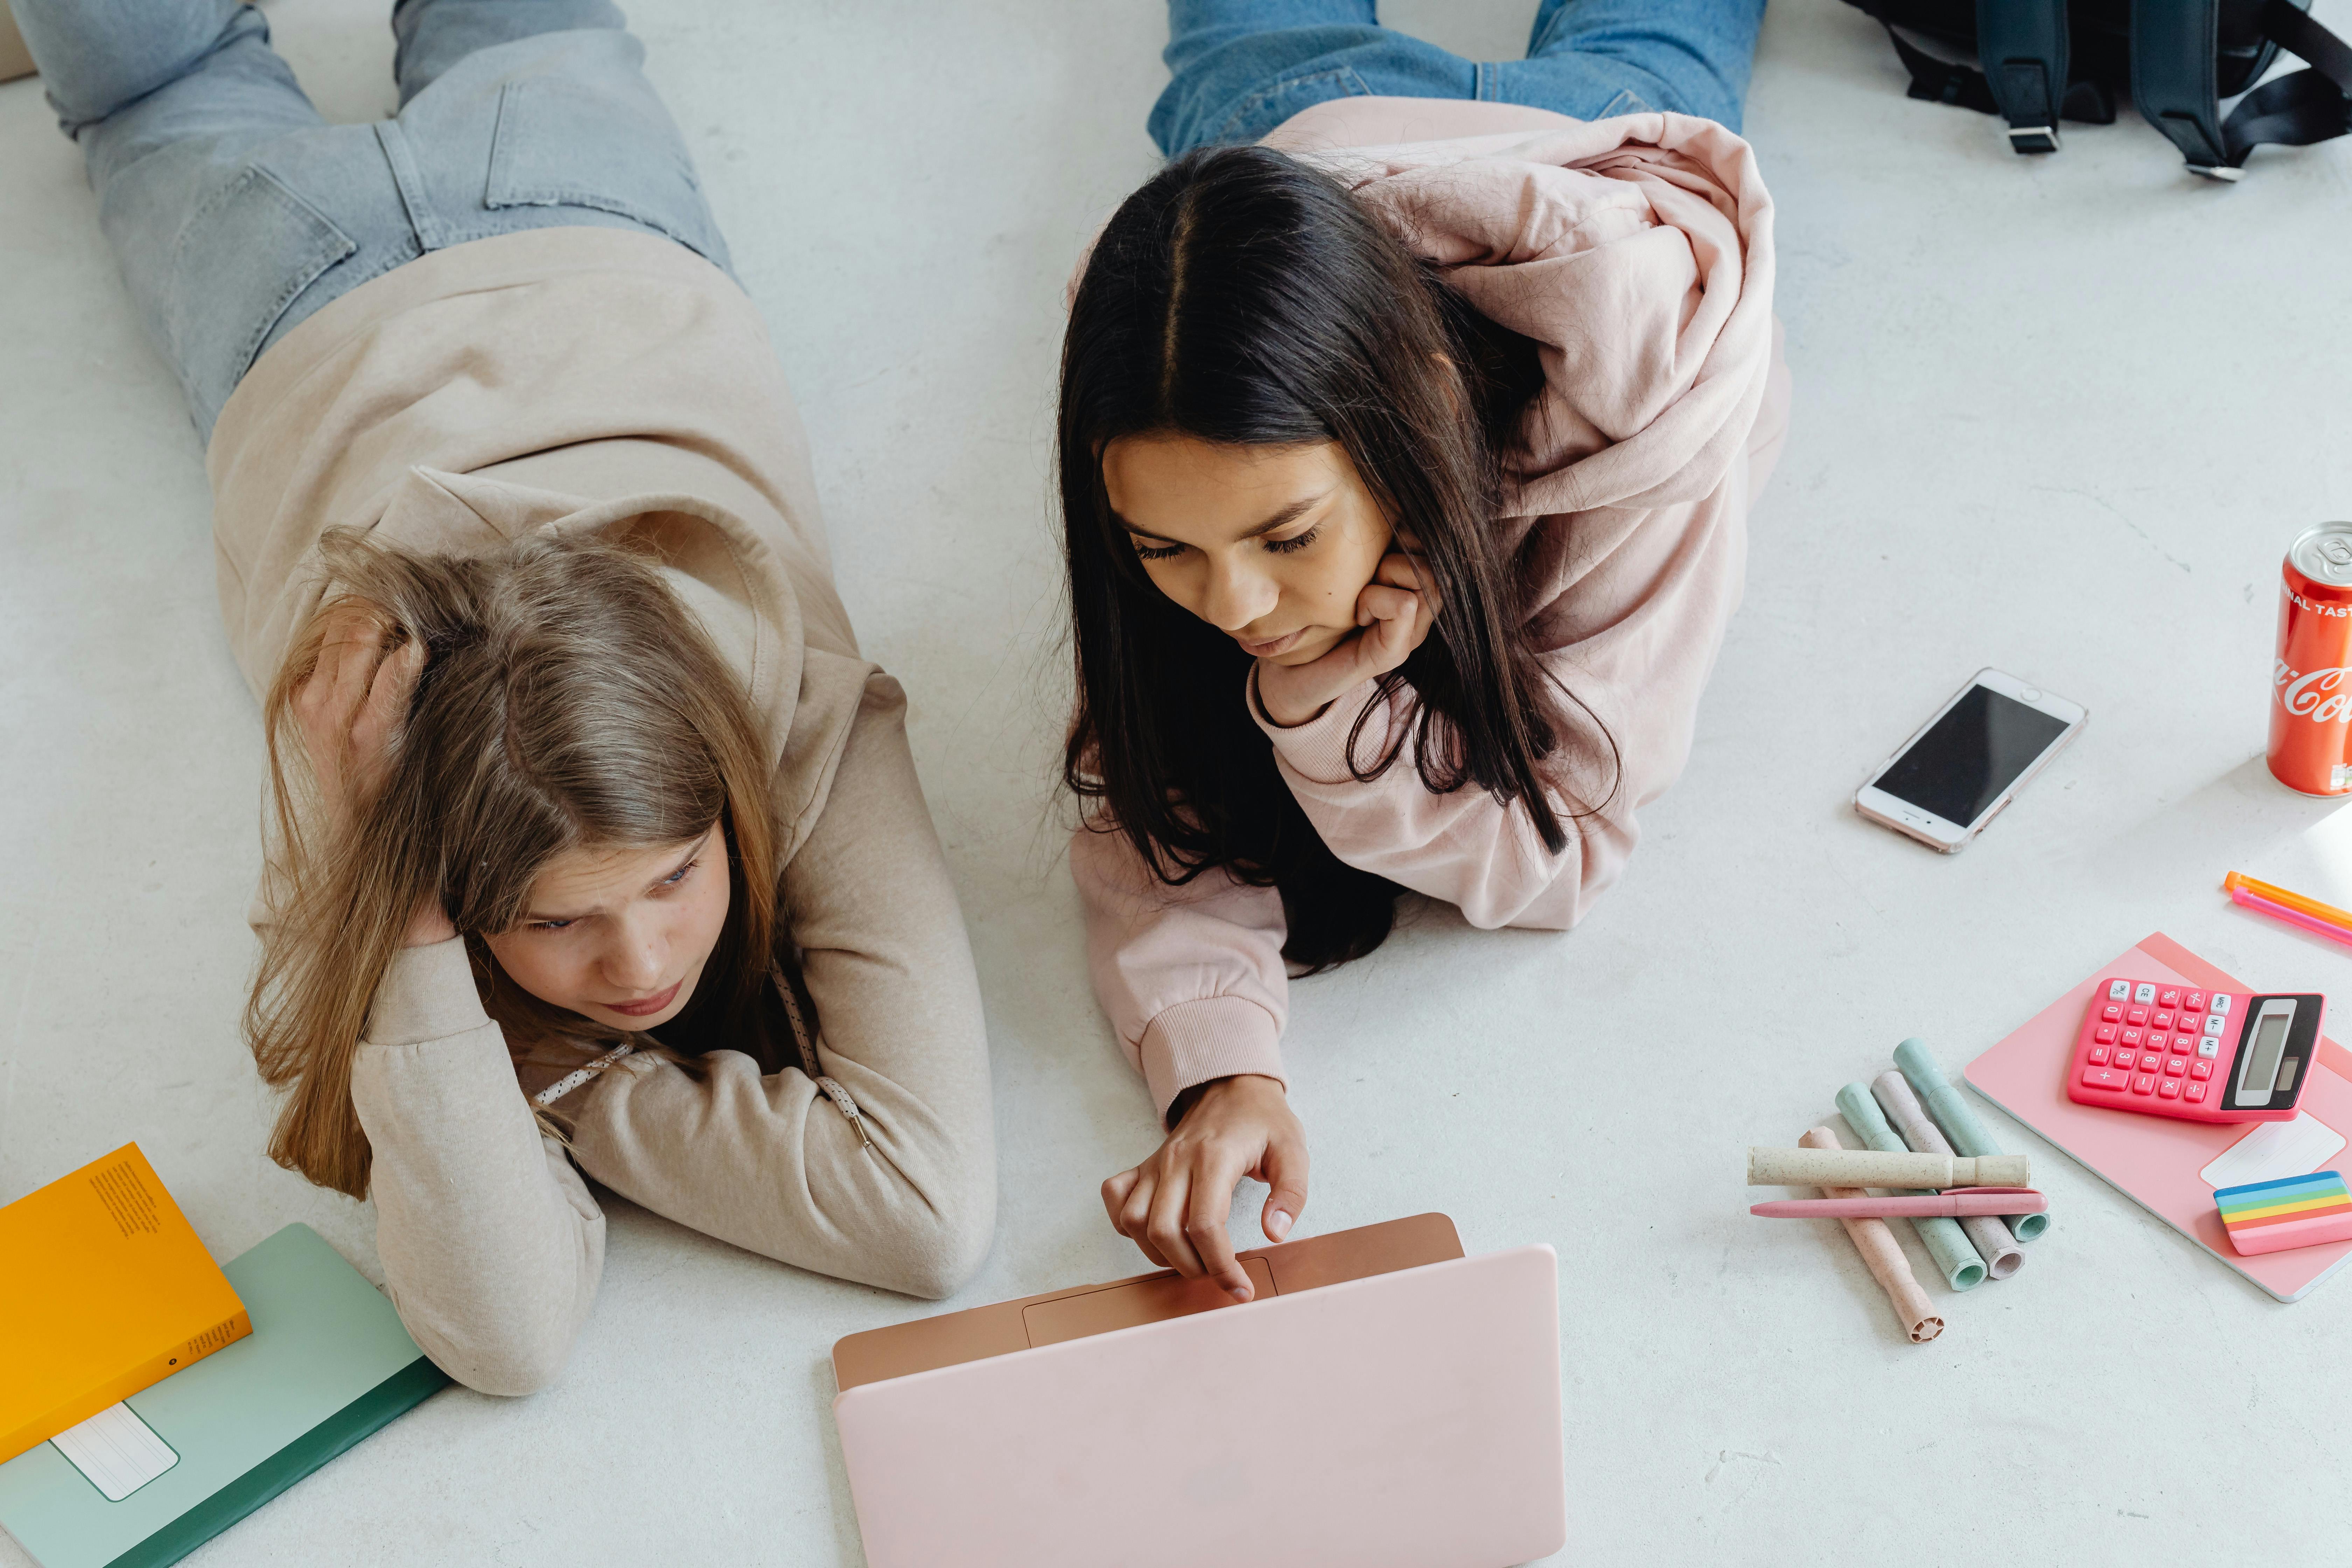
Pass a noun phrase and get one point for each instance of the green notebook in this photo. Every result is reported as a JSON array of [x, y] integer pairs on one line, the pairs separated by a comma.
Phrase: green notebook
[[154, 1477]]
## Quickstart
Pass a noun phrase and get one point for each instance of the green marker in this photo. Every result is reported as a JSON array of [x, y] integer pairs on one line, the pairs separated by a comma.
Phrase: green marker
[[1951, 1109], [1947, 1243]]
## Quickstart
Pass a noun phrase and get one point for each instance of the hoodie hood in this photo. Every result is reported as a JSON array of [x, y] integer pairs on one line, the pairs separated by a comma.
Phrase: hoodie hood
[[1636, 253]]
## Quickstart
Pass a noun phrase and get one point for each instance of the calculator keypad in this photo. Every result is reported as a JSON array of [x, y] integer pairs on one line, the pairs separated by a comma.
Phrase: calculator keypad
[[2148, 1047]]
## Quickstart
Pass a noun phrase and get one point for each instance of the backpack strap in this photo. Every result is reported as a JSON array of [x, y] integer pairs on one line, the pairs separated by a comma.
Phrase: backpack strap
[[2300, 108], [2022, 45], [1934, 80], [2173, 43]]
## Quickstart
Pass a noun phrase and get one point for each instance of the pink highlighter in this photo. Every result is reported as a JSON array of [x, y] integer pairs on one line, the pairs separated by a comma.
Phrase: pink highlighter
[[2165, 1049], [1957, 1204]]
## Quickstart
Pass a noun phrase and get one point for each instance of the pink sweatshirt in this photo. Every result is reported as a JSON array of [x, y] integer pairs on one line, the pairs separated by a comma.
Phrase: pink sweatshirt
[[1638, 253]]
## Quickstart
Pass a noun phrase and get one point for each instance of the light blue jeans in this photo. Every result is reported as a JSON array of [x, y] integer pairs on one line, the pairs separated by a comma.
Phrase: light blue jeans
[[1243, 66], [234, 211]]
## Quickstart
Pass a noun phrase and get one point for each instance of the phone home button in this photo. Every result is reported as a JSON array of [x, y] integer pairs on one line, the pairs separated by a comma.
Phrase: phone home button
[[2031, 694]]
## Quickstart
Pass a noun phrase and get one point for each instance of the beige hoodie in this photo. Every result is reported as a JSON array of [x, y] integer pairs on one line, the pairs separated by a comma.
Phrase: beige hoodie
[[1637, 253], [594, 381]]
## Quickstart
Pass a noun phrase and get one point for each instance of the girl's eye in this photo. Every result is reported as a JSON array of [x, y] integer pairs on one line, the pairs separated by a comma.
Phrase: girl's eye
[[674, 877], [551, 925], [1285, 546], [1157, 552]]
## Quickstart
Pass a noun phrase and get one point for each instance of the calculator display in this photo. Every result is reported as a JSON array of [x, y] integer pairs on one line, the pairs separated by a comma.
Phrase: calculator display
[[1980, 746], [2264, 1063]]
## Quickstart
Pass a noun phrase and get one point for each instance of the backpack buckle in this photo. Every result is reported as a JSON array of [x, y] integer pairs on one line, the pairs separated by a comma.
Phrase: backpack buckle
[[2034, 139]]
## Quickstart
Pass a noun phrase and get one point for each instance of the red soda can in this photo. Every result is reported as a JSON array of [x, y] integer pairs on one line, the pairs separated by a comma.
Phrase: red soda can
[[2311, 677]]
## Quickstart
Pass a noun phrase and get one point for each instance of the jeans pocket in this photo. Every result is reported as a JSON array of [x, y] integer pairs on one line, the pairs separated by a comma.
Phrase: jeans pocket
[[238, 261], [562, 142]]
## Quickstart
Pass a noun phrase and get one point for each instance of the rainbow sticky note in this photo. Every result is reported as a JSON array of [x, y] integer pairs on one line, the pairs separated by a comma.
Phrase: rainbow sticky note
[[2293, 1211]]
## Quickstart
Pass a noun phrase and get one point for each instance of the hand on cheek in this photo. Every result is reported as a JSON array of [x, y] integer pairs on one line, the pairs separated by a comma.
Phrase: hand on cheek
[[1395, 609]]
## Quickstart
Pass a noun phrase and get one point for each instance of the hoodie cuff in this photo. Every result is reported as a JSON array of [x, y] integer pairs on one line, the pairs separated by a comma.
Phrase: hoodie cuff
[[1216, 1036], [1317, 751], [427, 994]]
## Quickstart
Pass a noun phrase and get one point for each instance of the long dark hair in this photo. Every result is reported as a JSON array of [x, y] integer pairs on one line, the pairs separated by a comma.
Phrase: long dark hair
[[1242, 297]]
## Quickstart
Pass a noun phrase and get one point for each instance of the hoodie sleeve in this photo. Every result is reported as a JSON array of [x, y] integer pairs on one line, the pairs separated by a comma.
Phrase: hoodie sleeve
[[1636, 255], [1634, 649], [768, 1162], [491, 1245], [1192, 977]]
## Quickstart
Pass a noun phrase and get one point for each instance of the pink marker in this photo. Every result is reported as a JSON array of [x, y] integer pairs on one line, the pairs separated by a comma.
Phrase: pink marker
[[1954, 1205]]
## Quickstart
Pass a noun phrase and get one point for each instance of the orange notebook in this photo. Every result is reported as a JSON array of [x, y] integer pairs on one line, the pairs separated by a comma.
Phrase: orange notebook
[[104, 1290]]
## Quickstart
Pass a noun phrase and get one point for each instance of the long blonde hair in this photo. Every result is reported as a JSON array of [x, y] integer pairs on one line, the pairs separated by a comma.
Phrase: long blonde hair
[[568, 699]]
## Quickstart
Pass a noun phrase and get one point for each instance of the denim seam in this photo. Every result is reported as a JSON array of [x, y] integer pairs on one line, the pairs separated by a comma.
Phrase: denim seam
[[408, 179], [1551, 31], [286, 291], [1259, 100], [1619, 105]]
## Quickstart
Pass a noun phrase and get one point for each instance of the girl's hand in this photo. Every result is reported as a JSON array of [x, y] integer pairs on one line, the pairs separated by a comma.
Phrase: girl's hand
[[1396, 608], [346, 710], [1174, 1205]]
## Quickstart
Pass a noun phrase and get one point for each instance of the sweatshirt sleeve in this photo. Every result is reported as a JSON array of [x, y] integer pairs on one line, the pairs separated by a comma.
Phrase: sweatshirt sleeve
[[768, 1162], [1192, 977], [1630, 629], [491, 1245]]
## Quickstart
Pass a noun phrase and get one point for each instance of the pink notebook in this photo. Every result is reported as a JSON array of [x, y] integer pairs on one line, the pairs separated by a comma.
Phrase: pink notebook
[[2158, 1162]]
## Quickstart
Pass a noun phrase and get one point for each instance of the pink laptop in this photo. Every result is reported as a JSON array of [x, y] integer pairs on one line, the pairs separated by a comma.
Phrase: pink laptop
[[1385, 1403]]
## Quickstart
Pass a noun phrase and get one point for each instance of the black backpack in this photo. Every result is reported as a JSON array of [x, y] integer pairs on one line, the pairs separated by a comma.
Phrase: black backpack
[[2035, 62]]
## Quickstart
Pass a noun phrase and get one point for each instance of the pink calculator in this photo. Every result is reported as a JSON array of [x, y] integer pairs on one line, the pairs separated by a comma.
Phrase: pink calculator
[[2202, 1055]]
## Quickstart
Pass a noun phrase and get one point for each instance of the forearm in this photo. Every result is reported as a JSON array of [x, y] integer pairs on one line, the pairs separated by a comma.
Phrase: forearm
[[1479, 854], [771, 1164], [491, 1245], [1190, 977]]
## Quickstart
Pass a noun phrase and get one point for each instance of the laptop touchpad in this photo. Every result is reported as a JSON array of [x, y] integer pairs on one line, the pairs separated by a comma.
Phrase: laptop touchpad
[[1124, 1306]]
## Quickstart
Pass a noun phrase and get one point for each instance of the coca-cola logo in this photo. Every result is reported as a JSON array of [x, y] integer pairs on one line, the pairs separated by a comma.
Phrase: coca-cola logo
[[2318, 695]]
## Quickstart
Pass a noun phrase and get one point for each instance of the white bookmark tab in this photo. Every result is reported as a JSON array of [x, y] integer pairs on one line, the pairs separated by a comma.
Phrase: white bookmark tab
[[116, 1452]]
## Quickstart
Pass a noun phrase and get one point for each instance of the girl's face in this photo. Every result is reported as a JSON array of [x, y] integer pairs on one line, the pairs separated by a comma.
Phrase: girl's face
[[1269, 545], [620, 936]]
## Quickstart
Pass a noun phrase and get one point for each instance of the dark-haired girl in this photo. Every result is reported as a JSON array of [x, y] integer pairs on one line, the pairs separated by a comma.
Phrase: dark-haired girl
[[1405, 460]]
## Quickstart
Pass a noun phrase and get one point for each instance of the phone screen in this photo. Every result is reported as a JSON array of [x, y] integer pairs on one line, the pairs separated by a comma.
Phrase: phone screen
[[1971, 755]]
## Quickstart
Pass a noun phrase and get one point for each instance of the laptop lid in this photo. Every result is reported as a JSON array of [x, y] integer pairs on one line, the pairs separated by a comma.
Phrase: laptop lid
[[1404, 1419]]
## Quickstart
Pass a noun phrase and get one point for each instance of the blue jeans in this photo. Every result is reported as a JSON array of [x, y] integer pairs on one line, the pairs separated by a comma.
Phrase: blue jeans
[[234, 211], [1243, 66]]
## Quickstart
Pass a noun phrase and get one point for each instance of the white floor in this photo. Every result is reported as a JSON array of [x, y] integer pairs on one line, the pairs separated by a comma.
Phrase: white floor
[[2057, 414]]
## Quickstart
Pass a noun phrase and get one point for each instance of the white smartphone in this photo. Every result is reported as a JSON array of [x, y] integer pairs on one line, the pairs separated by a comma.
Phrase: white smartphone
[[1968, 760]]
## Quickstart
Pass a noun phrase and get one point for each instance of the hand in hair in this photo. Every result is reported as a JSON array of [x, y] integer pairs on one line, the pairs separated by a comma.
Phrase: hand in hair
[[346, 709], [1396, 608], [1175, 1205]]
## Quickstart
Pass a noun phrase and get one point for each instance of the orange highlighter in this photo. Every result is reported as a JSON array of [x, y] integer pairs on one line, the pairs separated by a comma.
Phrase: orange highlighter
[[2284, 904]]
